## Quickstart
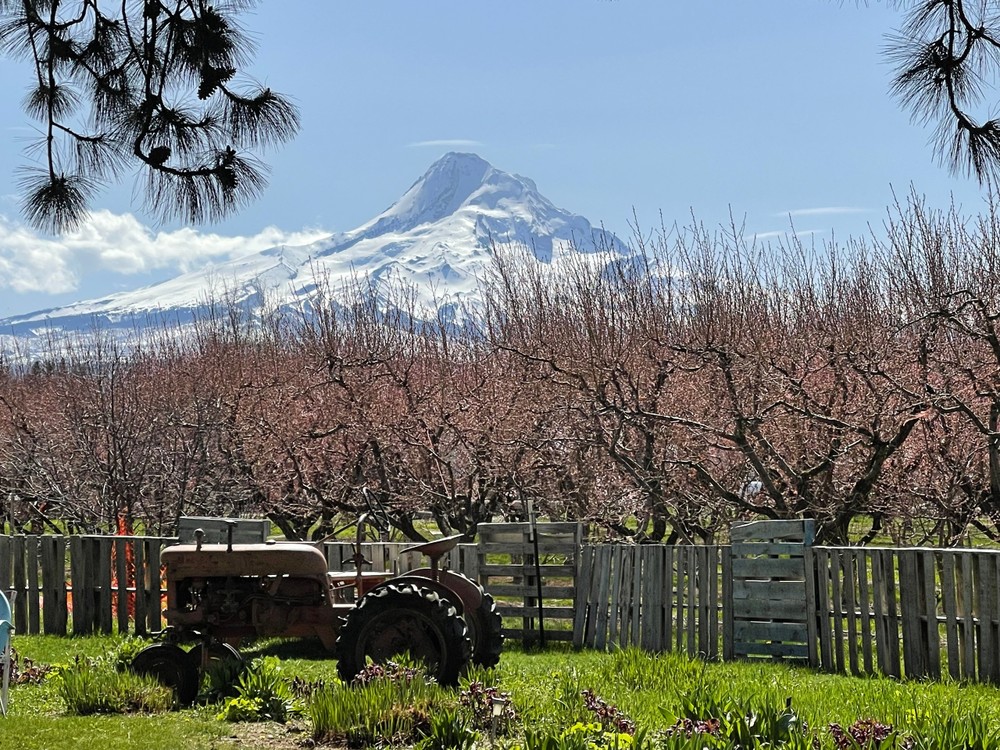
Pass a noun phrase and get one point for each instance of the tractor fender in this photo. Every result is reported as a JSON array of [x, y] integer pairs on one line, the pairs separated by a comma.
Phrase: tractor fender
[[463, 592]]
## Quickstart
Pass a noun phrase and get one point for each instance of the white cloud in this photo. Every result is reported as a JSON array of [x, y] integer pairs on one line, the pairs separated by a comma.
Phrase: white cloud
[[785, 234], [452, 143], [119, 244], [823, 211]]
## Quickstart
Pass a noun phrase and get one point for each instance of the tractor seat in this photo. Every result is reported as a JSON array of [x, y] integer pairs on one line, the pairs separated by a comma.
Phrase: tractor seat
[[437, 547]]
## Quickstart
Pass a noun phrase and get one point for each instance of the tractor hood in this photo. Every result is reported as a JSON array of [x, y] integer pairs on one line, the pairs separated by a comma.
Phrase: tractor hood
[[268, 559]]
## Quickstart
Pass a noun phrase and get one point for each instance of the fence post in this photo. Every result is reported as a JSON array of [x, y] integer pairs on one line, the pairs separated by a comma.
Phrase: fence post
[[728, 646]]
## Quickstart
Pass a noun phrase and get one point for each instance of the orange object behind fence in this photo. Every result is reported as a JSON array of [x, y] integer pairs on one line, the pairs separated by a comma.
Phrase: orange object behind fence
[[123, 528]]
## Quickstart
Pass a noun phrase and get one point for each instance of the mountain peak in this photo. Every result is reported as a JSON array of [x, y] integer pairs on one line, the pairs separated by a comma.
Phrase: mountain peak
[[447, 184], [454, 181], [460, 161]]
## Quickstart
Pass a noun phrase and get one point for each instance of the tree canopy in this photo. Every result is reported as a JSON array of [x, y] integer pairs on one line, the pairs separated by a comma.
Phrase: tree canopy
[[146, 84]]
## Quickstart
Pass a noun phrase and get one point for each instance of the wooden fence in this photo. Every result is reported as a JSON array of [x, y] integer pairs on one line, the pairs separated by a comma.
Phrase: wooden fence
[[90, 584], [909, 612], [655, 597], [915, 613]]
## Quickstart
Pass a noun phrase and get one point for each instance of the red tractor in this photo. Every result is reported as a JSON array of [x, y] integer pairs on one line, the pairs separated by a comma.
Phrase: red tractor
[[221, 594]]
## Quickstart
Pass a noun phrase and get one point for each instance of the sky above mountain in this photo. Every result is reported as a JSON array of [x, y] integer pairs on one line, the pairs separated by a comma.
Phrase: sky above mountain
[[628, 112]]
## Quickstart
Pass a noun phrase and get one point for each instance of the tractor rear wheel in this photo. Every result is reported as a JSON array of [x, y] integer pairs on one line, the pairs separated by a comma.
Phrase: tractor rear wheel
[[404, 619], [170, 665], [486, 626]]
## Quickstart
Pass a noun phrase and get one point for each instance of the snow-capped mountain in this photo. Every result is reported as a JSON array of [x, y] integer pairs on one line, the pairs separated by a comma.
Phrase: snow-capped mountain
[[436, 239]]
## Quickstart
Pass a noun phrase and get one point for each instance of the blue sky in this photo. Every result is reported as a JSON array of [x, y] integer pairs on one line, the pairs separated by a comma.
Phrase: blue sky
[[774, 111]]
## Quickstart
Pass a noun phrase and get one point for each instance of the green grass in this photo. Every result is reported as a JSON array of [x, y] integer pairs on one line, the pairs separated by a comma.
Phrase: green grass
[[38, 717], [545, 688]]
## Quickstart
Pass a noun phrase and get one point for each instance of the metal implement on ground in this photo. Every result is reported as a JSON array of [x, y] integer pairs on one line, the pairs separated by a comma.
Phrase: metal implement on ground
[[220, 595]]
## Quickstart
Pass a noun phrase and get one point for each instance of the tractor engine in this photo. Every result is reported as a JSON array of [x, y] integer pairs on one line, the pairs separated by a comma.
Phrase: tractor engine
[[247, 590], [266, 603]]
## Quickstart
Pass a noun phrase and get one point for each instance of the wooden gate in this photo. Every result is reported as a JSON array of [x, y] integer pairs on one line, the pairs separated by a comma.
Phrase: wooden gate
[[767, 608], [533, 581]]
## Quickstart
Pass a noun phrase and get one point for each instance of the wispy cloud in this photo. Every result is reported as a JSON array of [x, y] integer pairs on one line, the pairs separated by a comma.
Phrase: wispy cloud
[[785, 234], [823, 211], [446, 143], [119, 245]]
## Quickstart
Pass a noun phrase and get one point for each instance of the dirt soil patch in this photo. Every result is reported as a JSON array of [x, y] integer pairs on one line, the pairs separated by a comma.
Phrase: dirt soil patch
[[267, 734]]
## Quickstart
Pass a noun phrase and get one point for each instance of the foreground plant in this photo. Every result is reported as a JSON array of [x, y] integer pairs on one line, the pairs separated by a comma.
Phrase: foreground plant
[[93, 686], [449, 730], [869, 734], [262, 694], [387, 704], [481, 701], [24, 671]]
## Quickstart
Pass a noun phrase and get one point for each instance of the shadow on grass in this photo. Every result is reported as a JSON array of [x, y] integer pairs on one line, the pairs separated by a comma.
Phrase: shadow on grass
[[306, 649]]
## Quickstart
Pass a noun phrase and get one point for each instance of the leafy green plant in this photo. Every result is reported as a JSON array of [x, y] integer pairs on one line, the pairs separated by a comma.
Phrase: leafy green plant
[[954, 728], [567, 687], [709, 698], [221, 679], [92, 687], [393, 709], [584, 736], [241, 709], [448, 730], [262, 694], [547, 740], [763, 726], [125, 650]]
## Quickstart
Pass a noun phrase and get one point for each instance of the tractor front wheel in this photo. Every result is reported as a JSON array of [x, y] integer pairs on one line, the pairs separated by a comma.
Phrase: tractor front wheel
[[404, 620], [170, 665], [220, 663]]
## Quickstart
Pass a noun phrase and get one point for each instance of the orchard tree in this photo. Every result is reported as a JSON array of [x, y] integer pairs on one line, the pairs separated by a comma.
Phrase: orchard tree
[[141, 84]]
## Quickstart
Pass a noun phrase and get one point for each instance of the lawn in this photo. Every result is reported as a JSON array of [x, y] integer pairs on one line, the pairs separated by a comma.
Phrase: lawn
[[563, 700]]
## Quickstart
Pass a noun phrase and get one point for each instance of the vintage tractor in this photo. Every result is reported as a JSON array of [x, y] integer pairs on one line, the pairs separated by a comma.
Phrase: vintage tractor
[[220, 594]]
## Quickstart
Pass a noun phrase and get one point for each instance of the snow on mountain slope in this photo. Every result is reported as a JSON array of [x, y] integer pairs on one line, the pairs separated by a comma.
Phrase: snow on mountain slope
[[436, 238]]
